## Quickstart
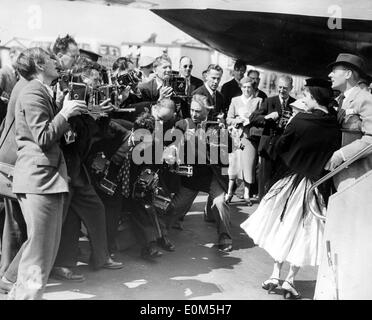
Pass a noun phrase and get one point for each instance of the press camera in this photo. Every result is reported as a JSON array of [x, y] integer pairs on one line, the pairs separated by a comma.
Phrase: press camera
[[177, 83]]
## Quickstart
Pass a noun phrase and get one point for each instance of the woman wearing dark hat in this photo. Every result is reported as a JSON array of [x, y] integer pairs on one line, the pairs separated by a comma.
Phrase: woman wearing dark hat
[[281, 224]]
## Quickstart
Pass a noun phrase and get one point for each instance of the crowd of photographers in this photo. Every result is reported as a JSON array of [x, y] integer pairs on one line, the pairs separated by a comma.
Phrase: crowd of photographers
[[84, 148], [82, 143]]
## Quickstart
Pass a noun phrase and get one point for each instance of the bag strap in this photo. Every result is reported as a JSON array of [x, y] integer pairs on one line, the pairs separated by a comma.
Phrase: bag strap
[[10, 127]]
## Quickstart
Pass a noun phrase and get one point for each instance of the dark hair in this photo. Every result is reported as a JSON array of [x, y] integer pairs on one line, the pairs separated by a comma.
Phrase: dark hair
[[323, 96], [27, 60], [239, 63], [253, 70], [122, 64], [61, 44], [214, 67], [145, 121]]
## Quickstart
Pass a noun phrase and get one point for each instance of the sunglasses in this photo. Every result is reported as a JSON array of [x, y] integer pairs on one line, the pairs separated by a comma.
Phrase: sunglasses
[[190, 66]]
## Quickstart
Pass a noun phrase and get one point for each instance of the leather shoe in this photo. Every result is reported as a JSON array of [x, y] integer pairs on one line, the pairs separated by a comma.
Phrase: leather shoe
[[5, 287], [225, 243], [111, 264], [166, 244], [150, 252], [61, 273]]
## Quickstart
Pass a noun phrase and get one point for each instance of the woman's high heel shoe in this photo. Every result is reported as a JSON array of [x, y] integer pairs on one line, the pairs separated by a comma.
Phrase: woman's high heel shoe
[[289, 291], [228, 197], [270, 285]]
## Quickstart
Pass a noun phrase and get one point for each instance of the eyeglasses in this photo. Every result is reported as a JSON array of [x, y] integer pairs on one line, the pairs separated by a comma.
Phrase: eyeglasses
[[190, 66]]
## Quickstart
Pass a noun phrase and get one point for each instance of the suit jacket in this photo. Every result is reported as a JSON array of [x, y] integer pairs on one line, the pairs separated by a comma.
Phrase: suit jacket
[[40, 167], [359, 102], [202, 173], [8, 150], [230, 90], [271, 131], [218, 104], [185, 102], [149, 91]]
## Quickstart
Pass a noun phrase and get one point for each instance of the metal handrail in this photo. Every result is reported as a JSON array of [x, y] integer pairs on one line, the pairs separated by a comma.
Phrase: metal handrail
[[329, 175]]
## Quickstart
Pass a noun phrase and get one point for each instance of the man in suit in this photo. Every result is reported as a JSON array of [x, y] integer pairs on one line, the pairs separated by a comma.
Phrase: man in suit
[[84, 205], [271, 116], [156, 89], [355, 117], [255, 76], [231, 88], [192, 83], [40, 173], [207, 177], [214, 97]]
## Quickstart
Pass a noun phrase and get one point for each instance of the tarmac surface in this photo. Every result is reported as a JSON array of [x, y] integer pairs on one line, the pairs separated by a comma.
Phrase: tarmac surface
[[196, 270]]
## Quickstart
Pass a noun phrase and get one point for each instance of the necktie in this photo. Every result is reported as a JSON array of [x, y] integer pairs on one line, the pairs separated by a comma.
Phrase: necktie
[[340, 111], [188, 87], [124, 176]]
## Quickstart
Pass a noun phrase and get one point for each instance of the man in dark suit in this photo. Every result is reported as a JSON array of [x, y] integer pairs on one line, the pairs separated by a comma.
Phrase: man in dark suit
[[207, 177], [192, 83], [84, 205], [40, 173], [271, 117], [231, 88], [214, 97], [156, 89]]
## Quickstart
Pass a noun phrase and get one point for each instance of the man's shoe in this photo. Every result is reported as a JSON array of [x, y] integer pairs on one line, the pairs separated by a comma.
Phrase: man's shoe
[[5, 287], [166, 244], [66, 274], [150, 252], [225, 243], [111, 264]]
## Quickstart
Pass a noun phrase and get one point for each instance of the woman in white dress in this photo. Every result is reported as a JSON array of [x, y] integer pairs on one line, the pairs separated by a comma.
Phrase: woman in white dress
[[242, 161], [282, 224]]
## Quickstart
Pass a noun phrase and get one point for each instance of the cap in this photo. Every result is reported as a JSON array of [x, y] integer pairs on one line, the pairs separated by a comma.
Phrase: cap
[[318, 82], [90, 55], [145, 61]]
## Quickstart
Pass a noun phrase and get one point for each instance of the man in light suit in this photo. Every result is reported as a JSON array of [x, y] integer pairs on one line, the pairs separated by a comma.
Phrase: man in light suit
[[355, 117], [40, 174]]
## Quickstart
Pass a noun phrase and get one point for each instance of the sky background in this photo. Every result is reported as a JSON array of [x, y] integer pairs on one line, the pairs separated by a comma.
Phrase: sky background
[[33, 19]]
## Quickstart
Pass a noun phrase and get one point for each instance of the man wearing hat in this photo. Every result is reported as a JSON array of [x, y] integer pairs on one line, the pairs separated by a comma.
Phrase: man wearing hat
[[145, 64], [355, 117]]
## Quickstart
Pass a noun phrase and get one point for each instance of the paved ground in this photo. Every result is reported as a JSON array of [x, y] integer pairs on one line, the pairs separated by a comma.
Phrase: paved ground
[[196, 270]]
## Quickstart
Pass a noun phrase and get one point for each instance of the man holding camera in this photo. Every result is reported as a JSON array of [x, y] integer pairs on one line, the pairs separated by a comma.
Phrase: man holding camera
[[272, 116], [157, 89], [84, 205], [200, 144], [40, 173]]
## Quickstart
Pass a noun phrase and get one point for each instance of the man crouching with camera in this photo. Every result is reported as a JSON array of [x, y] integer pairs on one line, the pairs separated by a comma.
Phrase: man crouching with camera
[[204, 143]]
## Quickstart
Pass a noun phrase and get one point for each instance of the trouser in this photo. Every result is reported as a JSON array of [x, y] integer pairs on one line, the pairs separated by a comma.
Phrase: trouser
[[85, 206], [146, 223], [221, 211], [14, 233], [43, 214], [113, 207]]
